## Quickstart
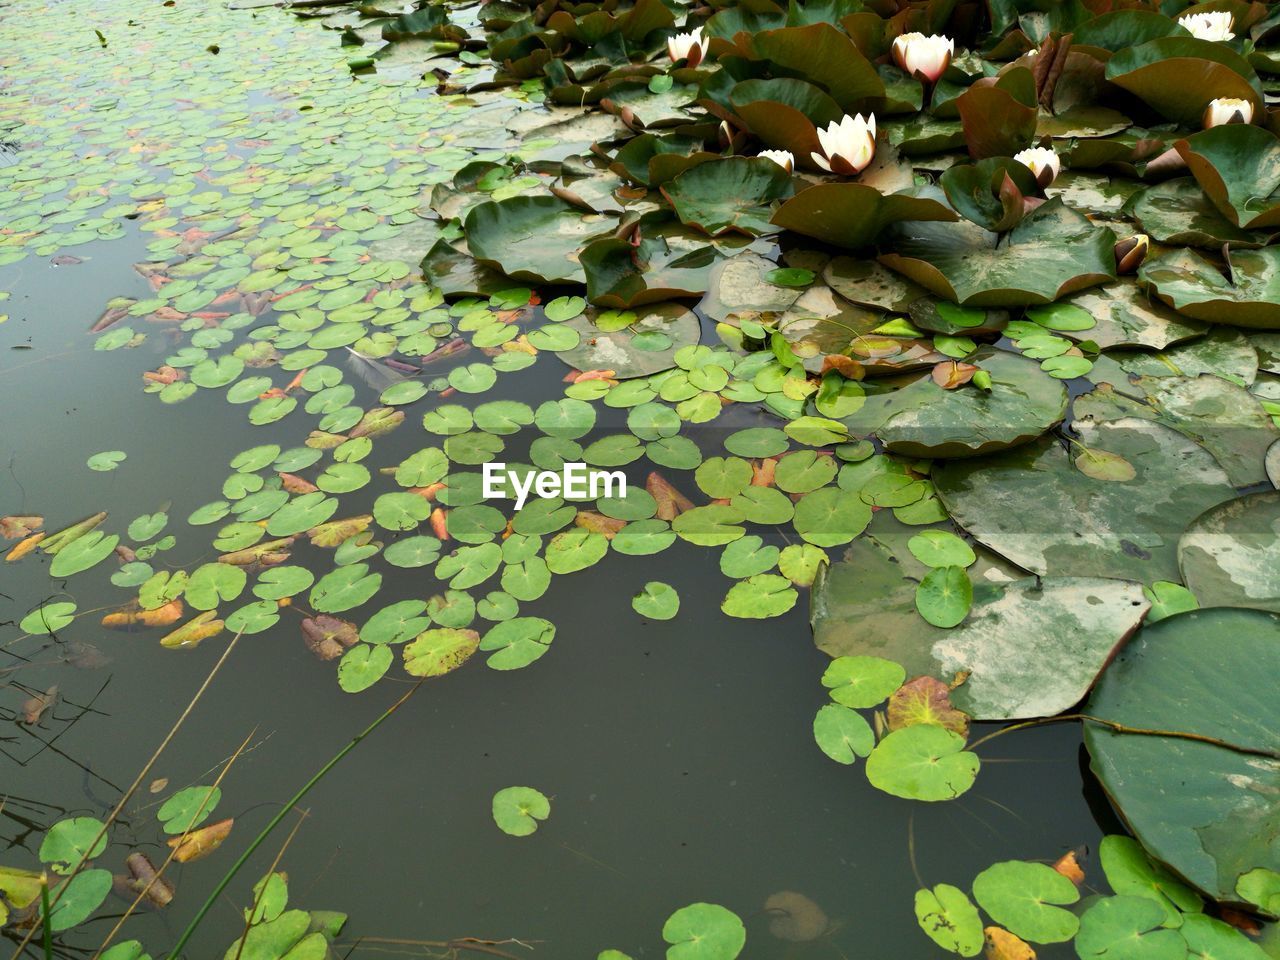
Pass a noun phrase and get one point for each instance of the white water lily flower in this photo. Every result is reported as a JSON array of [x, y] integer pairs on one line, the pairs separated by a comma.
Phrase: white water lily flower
[[1227, 110], [922, 56], [849, 145], [782, 158], [688, 47], [1042, 162], [1215, 25]]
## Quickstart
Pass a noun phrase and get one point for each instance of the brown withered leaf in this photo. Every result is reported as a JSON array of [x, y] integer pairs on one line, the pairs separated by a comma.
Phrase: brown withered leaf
[[200, 843], [1069, 867], [193, 632], [925, 700], [132, 616], [377, 421], [439, 521], [671, 502], [599, 523], [263, 553], [14, 526], [157, 785], [328, 637], [84, 656], [320, 440], [296, 484], [159, 891], [794, 917], [762, 472], [846, 366], [952, 373], [37, 705], [1003, 945]]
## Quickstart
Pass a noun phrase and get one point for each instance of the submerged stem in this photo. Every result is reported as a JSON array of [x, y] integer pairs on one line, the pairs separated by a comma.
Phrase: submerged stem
[[275, 821], [1124, 728]]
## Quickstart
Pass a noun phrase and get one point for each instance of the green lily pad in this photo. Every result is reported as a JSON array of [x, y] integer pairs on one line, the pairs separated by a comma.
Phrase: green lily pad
[[1177, 212], [1125, 316], [924, 420], [1238, 167], [657, 601], [517, 810], [1053, 252], [950, 919], [1027, 900], [533, 238], [1198, 806], [733, 194], [922, 762], [704, 931], [842, 733], [1178, 76]]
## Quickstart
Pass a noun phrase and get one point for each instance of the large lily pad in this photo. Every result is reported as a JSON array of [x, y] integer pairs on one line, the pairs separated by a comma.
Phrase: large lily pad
[[733, 194], [1177, 212], [644, 346], [533, 238], [851, 215], [1196, 288], [1053, 252], [1238, 167], [924, 420], [1204, 807], [1230, 556], [1036, 507], [1028, 648], [1125, 316], [1226, 419], [1178, 76]]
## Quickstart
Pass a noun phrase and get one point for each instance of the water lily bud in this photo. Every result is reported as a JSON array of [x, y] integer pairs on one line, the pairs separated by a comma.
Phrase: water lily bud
[[1130, 252], [1227, 110], [1215, 25], [923, 57], [849, 145], [782, 158], [688, 47], [1042, 162]]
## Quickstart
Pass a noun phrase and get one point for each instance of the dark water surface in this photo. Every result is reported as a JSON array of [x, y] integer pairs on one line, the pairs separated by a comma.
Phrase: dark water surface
[[678, 756]]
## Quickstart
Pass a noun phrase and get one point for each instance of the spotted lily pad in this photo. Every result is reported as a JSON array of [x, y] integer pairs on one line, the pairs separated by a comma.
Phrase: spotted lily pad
[[533, 238], [1035, 507], [645, 345], [733, 194], [1196, 288], [1230, 555]]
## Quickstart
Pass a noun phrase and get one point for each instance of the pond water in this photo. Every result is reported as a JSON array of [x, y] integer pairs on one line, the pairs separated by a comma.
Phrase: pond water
[[678, 755]]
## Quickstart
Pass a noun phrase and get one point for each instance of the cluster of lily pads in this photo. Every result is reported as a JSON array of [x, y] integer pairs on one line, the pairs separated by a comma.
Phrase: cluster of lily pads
[[922, 278], [1150, 914]]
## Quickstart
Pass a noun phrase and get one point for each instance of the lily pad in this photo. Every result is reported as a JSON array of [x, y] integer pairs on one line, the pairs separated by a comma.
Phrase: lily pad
[[1230, 555], [623, 350], [733, 194], [1053, 252], [1035, 507], [533, 238], [517, 810], [922, 762], [1196, 288], [1027, 900], [1199, 797], [704, 931], [1178, 76], [924, 420], [851, 215]]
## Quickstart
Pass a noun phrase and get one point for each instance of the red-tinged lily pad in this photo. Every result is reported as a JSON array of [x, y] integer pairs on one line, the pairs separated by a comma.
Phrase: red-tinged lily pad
[[1196, 288], [852, 214], [999, 116], [1053, 252], [785, 113], [730, 195], [1178, 76]]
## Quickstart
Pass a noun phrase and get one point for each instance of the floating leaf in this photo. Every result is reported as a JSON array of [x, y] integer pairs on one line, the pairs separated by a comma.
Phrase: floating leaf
[[517, 810]]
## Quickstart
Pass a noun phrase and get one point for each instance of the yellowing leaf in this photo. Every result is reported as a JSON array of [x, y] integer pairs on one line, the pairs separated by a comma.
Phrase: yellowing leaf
[[191, 633]]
